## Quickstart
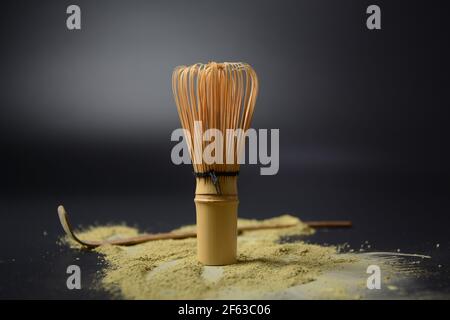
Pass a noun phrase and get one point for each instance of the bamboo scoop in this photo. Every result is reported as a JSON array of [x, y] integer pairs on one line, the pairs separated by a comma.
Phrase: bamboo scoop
[[64, 219]]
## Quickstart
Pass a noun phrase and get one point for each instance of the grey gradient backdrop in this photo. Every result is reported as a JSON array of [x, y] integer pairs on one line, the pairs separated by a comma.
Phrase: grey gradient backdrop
[[86, 116], [342, 96]]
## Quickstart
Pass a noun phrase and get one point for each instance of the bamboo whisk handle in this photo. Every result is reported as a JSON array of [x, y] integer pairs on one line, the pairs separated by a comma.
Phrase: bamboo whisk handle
[[216, 220]]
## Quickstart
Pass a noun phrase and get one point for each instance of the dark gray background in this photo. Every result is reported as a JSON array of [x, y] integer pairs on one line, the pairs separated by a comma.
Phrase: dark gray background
[[86, 118]]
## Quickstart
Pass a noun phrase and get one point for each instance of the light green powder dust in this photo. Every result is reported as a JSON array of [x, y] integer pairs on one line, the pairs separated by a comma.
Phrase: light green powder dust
[[168, 269]]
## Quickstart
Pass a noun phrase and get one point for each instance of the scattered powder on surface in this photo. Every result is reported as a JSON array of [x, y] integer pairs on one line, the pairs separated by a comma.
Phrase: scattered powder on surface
[[168, 269]]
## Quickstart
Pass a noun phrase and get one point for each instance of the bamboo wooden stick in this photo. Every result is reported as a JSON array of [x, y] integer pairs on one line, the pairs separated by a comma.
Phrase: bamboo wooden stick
[[64, 219]]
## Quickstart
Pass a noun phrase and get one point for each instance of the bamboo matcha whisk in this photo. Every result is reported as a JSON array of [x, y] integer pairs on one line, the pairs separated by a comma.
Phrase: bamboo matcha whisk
[[218, 96]]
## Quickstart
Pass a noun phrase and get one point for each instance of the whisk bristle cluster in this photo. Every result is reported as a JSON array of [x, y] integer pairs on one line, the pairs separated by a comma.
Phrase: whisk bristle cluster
[[220, 96]]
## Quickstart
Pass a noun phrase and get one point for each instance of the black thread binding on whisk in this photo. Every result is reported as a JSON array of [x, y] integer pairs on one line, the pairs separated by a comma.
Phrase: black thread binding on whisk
[[214, 177]]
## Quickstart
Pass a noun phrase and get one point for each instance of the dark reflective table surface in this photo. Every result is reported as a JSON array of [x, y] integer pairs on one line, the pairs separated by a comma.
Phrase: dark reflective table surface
[[389, 212]]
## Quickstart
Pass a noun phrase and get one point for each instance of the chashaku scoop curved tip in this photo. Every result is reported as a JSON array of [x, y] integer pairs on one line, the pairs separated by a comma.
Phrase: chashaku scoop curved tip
[[62, 214], [61, 211], [64, 220]]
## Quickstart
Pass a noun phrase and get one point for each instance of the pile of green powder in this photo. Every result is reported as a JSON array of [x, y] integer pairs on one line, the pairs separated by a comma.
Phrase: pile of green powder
[[168, 269]]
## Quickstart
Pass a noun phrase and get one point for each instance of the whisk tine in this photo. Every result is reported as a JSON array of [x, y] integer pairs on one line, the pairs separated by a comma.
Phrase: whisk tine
[[220, 95]]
